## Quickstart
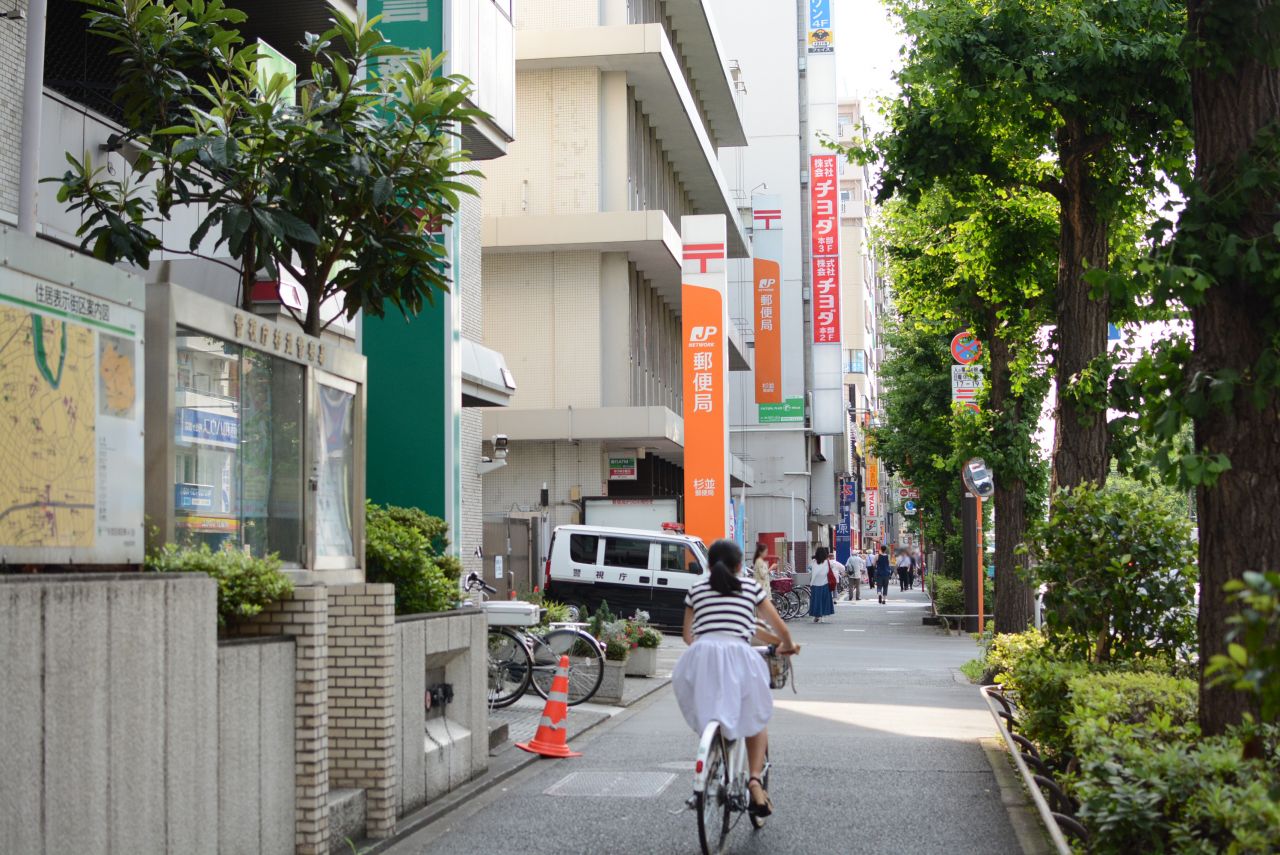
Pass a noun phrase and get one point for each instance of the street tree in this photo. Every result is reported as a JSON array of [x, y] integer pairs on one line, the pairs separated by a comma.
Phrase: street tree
[[1082, 100], [985, 262], [341, 189], [915, 438], [1221, 261]]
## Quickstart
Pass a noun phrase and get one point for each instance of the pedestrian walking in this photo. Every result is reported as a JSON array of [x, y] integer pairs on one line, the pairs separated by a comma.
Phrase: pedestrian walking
[[911, 572], [871, 569], [883, 572], [821, 591], [904, 566], [853, 569]]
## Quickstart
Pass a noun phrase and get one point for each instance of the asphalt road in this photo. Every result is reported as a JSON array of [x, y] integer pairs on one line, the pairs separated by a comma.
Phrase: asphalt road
[[877, 753]]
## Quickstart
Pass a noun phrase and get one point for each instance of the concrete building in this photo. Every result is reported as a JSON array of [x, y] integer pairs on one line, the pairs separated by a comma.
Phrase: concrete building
[[622, 108], [864, 300]]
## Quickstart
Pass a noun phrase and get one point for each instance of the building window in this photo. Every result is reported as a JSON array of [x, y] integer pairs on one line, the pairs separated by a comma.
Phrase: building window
[[855, 361], [238, 435], [627, 553]]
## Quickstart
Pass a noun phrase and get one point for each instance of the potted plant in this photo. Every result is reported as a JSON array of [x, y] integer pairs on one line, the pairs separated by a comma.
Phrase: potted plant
[[616, 652], [644, 639]]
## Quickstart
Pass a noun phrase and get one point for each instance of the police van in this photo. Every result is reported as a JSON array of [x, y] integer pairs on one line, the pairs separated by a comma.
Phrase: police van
[[630, 569]]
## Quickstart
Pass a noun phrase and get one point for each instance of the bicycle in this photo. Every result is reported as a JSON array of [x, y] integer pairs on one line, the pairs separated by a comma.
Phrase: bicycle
[[519, 658], [722, 774]]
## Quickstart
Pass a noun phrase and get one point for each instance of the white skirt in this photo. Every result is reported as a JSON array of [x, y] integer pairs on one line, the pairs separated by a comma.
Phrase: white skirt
[[720, 678]]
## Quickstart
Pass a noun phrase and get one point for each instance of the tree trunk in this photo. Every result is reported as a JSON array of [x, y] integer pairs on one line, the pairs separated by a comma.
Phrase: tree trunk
[[1015, 602], [311, 323], [1238, 529], [948, 529], [1080, 428]]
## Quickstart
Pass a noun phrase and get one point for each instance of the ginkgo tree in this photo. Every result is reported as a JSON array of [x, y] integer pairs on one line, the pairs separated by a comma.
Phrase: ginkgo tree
[[984, 262], [1083, 101]]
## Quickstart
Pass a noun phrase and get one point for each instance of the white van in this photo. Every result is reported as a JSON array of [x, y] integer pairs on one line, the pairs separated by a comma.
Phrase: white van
[[628, 568]]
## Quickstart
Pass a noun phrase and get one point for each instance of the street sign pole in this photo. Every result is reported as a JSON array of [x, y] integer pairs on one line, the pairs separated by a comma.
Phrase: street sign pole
[[970, 515]]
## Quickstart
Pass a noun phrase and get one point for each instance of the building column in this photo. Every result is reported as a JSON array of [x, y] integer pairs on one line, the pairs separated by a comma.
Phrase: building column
[[615, 330]]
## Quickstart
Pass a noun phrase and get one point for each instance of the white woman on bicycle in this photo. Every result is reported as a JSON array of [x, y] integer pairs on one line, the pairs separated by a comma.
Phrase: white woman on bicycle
[[720, 678]]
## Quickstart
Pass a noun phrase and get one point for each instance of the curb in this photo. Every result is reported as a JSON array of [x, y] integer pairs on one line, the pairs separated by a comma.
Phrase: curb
[[509, 762], [1022, 816]]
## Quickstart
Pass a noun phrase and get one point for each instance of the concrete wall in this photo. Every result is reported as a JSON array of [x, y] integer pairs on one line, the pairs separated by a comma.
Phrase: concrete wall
[[438, 753], [542, 310], [109, 705], [562, 465], [255, 747], [13, 52], [554, 166]]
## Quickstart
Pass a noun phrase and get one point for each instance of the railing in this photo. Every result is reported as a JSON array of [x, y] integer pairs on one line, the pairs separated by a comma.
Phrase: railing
[[1059, 815]]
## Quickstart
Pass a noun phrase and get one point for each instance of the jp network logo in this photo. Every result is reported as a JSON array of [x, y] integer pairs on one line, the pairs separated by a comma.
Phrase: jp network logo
[[698, 335]]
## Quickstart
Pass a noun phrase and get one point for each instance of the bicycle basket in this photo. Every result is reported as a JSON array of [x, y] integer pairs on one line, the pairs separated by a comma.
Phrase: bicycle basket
[[782, 586], [779, 670]]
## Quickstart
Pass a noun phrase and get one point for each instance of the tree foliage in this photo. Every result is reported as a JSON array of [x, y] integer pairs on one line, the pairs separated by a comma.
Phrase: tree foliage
[[341, 189], [1039, 97]]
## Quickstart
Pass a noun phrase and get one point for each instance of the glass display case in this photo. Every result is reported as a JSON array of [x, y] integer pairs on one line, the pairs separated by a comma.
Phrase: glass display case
[[257, 440]]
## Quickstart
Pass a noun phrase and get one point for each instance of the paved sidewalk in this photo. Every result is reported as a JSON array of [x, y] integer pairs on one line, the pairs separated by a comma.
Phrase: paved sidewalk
[[878, 752]]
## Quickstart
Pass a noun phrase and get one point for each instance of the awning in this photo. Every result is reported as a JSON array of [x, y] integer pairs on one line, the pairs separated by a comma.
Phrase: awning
[[486, 380]]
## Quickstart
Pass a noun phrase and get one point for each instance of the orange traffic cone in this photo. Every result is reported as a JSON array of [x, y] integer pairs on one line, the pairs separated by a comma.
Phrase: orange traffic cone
[[551, 739]]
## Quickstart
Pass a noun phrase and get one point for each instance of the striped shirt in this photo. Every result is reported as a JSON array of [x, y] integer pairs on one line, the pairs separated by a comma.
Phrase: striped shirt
[[731, 613]]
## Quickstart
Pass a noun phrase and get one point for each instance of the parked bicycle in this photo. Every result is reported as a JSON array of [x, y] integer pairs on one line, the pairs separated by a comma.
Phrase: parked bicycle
[[524, 657]]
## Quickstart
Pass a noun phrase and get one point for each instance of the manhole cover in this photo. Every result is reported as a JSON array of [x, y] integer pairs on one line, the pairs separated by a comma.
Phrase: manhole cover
[[641, 785]]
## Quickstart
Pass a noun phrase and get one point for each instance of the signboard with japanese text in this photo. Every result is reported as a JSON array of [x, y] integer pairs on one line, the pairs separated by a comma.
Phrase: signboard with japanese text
[[820, 39], [622, 468], [873, 473], [71, 402], [844, 522], [824, 207], [790, 410], [767, 274], [966, 382], [705, 366]]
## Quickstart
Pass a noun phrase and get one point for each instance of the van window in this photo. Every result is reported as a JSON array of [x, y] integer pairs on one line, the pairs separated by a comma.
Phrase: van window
[[678, 558], [626, 552], [582, 548]]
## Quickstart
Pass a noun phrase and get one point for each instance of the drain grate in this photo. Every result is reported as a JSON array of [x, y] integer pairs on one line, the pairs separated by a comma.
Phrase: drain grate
[[641, 785]]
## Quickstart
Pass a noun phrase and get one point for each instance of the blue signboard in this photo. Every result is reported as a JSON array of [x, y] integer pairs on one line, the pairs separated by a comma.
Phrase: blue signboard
[[193, 497], [844, 522], [206, 428], [819, 14]]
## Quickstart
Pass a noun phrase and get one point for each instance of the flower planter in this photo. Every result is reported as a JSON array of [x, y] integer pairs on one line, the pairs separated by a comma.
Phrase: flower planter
[[643, 662], [612, 683]]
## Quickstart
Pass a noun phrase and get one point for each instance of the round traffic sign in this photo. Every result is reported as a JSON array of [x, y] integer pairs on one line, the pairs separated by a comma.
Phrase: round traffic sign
[[965, 348], [909, 506], [972, 407]]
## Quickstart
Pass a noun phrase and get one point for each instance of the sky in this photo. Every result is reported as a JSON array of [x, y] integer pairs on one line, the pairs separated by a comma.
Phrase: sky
[[867, 45]]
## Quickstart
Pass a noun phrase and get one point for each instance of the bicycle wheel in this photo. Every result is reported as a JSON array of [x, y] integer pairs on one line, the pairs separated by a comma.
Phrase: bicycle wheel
[[793, 605], [782, 603], [586, 663], [803, 595], [509, 667], [757, 822], [713, 801]]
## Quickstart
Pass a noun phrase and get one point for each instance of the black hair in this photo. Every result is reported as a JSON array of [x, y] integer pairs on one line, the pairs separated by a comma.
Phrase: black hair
[[883, 550], [820, 555], [725, 558], [762, 548]]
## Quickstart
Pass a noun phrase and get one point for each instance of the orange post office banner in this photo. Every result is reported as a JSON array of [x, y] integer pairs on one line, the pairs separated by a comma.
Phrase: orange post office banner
[[768, 276], [706, 377]]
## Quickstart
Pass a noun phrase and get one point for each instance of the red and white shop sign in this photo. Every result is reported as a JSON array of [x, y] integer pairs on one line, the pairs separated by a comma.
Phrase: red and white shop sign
[[824, 228]]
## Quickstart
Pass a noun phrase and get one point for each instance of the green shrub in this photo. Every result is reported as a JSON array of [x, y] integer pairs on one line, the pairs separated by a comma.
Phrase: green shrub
[[1007, 649], [1141, 707], [600, 619], [554, 612], [400, 548], [948, 595], [1042, 684], [246, 584], [1252, 662], [1199, 797], [1120, 569], [974, 670], [616, 650]]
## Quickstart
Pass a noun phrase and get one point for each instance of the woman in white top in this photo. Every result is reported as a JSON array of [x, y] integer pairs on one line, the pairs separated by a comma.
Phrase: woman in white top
[[720, 678], [821, 597]]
